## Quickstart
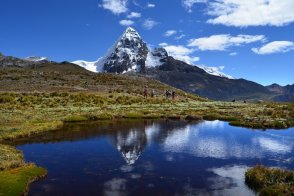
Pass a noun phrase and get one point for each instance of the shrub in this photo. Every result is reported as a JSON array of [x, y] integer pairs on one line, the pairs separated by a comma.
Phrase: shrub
[[6, 99], [104, 116], [265, 180]]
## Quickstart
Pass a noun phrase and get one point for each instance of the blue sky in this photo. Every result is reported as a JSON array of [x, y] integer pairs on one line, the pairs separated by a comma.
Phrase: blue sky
[[246, 39]]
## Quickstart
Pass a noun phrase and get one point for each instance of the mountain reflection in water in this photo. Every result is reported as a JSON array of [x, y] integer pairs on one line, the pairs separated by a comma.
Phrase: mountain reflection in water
[[154, 157]]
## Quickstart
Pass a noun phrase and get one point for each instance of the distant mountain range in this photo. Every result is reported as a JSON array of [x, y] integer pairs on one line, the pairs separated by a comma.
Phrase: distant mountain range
[[130, 56], [283, 93]]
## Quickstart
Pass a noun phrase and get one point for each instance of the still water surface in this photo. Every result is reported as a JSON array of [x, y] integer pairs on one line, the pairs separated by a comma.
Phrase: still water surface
[[154, 158]]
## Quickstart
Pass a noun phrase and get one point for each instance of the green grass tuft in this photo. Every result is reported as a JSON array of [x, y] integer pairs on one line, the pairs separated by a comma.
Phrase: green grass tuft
[[15, 182], [268, 181]]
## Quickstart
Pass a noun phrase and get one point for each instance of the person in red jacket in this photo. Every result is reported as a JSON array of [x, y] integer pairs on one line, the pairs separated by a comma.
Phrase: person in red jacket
[[145, 92]]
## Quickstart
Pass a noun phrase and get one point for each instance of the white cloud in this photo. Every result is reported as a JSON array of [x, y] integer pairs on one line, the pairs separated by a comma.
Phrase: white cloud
[[242, 13], [275, 47], [180, 52], [126, 22], [170, 33], [134, 15], [115, 6], [150, 5], [180, 36], [163, 44], [149, 24], [233, 54], [223, 41], [220, 68], [188, 4]]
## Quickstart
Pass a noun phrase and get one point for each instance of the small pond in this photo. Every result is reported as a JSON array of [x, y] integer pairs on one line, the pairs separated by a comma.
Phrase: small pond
[[154, 157]]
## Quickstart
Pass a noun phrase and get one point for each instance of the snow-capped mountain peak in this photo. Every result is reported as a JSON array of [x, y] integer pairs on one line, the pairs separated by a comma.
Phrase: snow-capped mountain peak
[[130, 53], [130, 34]]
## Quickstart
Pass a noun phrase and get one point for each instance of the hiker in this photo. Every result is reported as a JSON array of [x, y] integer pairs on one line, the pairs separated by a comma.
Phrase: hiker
[[145, 92], [173, 95], [167, 94], [152, 93]]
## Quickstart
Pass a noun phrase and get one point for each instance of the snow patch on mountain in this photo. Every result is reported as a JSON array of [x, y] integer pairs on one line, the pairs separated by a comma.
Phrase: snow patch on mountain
[[214, 71], [157, 57], [35, 58], [94, 66]]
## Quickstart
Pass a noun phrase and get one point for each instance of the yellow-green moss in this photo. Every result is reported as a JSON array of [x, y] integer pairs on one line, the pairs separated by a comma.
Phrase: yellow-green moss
[[15, 182]]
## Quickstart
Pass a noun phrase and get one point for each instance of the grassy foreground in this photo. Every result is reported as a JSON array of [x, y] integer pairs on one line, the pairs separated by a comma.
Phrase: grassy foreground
[[268, 181], [27, 114], [24, 114], [15, 174]]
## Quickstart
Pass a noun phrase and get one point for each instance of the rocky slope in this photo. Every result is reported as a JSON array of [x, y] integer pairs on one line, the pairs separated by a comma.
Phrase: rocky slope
[[9, 61], [195, 80], [283, 93]]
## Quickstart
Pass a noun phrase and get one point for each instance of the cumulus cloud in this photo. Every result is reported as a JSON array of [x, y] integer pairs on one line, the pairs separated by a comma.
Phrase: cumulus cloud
[[115, 6], [149, 24], [180, 52], [223, 41], [242, 13], [150, 5], [170, 33], [134, 15], [188, 4], [275, 47], [126, 22]]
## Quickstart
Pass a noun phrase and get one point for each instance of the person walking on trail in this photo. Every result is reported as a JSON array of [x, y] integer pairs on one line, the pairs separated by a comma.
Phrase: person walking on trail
[[145, 92], [167, 94], [173, 95], [152, 93]]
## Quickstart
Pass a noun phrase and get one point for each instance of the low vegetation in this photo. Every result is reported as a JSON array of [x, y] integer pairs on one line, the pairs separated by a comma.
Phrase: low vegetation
[[15, 182], [270, 181], [10, 157], [25, 114], [15, 174]]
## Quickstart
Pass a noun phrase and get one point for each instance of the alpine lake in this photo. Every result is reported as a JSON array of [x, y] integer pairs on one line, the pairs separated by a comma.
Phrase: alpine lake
[[146, 157]]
